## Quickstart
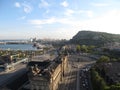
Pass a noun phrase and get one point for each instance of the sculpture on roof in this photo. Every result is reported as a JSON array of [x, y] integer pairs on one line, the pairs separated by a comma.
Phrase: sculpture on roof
[[35, 70]]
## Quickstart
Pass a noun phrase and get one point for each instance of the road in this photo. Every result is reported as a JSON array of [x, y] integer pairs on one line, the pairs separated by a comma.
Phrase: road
[[43, 57], [7, 77], [69, 80], [77, 75]]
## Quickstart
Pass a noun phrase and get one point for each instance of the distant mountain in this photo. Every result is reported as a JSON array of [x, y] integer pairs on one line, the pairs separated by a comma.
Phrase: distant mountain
[[94, 38]]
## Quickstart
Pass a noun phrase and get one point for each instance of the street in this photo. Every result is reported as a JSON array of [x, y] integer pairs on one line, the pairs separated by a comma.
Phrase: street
[[6, 77], [77, 76]]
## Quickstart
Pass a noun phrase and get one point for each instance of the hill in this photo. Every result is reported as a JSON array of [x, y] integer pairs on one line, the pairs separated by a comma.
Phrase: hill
[[94, 38]]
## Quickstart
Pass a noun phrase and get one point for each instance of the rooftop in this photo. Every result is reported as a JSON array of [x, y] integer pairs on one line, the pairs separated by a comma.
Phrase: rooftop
[[43, 68]]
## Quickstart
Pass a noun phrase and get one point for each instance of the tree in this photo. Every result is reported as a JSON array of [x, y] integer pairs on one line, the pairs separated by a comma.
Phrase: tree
[[84, 48], [91, 48], [78, 48], [103, 59]]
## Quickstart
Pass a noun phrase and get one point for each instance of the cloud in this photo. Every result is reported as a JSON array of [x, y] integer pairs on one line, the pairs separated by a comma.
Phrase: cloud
[[51, 20], [47, 11], [108, 22], [63, 33], [17, 4], [37, 26], [27, 8], [69, 12], [89, 13], [45, 21], [22, 18], [100, 4], [44, 4], [64, 4]]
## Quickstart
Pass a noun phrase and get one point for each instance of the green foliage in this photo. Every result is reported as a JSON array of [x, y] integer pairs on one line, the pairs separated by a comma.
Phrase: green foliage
[[94, 38], [118, 84], [114, 87], [118, 59], [91, 48], [78, 48], [98, 83], [106, 49], [103, 59], [114, 59], [84, 48]]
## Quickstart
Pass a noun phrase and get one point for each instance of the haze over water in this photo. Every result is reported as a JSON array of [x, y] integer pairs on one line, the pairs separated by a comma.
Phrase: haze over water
[[17, 47]]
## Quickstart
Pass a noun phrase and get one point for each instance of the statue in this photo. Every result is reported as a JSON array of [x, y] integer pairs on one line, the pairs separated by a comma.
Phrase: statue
[[35, 70]]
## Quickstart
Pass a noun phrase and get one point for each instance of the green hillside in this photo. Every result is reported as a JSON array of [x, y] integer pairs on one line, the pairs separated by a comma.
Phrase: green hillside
[[94, 38]]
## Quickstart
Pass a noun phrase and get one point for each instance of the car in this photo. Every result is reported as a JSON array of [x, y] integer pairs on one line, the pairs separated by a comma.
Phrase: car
[[83, 85]]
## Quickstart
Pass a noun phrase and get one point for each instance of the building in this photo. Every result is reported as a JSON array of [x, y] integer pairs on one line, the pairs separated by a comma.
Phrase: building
[[46, 75]]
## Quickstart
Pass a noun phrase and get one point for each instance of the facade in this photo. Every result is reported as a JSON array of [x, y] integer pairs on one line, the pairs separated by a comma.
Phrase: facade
[[46, 75]]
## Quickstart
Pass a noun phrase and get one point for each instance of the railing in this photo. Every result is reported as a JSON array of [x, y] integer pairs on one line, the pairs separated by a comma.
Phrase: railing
[[14, 64]]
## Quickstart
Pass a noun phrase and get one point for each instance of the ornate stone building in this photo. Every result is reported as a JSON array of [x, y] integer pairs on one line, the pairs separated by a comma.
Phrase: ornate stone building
[[46, 75]]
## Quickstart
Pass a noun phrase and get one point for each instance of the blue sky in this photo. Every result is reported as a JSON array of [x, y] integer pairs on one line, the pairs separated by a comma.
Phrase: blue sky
[[57, 19]]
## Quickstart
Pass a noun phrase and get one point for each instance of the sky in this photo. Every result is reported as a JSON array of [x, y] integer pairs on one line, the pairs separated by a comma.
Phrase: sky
[[57, 19]]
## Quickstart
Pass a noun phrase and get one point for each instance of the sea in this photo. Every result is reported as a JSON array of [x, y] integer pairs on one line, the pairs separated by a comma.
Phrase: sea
[[26, 46], [17, 47]]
